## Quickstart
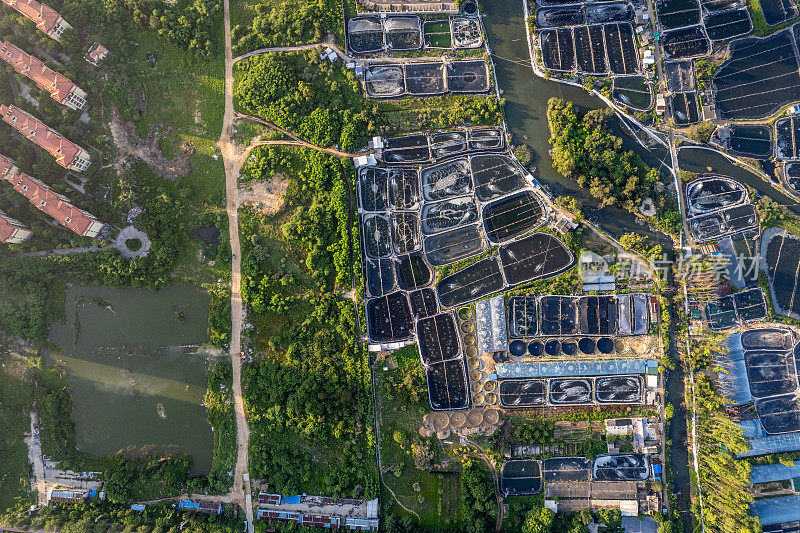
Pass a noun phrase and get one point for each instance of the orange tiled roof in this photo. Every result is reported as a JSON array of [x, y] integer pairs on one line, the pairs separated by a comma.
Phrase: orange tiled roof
[[7, 229], [96, 52], [51, 203], [5, 166], [36, 131], [44, 16], [47, 79]]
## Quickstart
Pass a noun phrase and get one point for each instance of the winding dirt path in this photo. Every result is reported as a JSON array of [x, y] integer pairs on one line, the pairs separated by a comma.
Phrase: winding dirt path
[[241, 482]]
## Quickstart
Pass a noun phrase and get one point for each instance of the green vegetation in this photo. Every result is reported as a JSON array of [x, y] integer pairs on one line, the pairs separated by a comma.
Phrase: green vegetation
[[218, 401], [524, 154], [704, 68], [308, 391], [437, 35], [16, 402], [478, 503], [585, 152], [416, 114], [702, 131], [270, 23], [773, 214], [105, 516]]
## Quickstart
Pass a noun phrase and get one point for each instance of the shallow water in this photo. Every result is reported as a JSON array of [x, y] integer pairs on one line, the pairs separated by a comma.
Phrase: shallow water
[[134, 379]]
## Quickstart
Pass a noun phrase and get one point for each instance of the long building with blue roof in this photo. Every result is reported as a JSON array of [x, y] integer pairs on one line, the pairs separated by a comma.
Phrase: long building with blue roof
[[733, 379], [776, 472], [554, 369], [762, 443], [776, 510]]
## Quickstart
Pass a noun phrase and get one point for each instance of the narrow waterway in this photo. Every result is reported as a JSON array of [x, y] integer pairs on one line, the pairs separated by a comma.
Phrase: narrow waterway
[[526, 96]]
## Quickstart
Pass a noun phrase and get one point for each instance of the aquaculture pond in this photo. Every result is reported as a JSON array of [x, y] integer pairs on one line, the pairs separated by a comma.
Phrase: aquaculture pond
[[136, 377]]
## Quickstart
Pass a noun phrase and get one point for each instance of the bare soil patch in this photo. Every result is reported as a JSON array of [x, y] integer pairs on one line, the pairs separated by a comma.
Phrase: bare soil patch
[[265, 196], [128, 143]]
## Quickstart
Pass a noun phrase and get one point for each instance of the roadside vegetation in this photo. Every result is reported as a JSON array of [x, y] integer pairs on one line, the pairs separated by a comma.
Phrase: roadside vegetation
[[307, 393]]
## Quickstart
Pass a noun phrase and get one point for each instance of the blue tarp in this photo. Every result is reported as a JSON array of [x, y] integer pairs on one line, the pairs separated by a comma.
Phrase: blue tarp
[[763, 444], [776, 472], [777, 510], [550, 369], [292, 500], [656, 469], [137, 507]]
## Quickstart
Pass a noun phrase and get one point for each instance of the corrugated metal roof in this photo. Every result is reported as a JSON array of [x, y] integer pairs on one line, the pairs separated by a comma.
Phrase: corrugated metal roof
[[777, 510], [776, 472], [548, 369]]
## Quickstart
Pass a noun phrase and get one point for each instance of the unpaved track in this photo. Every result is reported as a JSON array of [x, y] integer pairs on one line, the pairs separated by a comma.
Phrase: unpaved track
[[241, 489]]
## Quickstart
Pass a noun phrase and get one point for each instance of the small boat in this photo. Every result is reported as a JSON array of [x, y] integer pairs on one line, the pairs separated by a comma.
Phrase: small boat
[[161, 412]]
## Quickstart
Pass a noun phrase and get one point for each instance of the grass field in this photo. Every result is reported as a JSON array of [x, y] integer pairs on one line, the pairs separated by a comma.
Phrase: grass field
[[435, 497], [16, 399], [437, 35]]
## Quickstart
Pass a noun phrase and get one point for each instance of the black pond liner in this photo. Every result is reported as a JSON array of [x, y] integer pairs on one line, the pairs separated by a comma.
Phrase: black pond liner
[[448, 214], [685, 43], [424, 78], [403, 188], [780, 414], [384, 81], [558, 49], [550, 17], [469, 7], [405, 232], [590, 49], [767, 339], [521, 476], [423, 303], [535, 348], [598, 315], [777, 11], [684, 108], [677, 13], [782, 254], [485, 139], [537, 256], [750, 141], [448, 143], [517, 348], [509, 217], [633, 92], [522, 316], [448, 387], [586, 346], [680, 76], [621, 48], [724, 222], [751, 304], [785, 133], [566, 469], [377, 236], [740, 95], [495, 175], [618, 389], [569, 348], [711, 194], [552, 347], [389, 318], [522, 393], [438, 338], [472, 283], [380, 276], [558, 315], [605, 345], [770, 373], [608, 12], [624, 467], [403, 32], [728, 24], [467, 76], [451, 246], [792, 170], [365, 35], [715, 6], [570, 391], [374, 189], [446, 180], [412, 271]]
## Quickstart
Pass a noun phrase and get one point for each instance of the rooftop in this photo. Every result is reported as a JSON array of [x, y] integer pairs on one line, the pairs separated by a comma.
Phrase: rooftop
[[36, 131], [44, 16], [58, 85]]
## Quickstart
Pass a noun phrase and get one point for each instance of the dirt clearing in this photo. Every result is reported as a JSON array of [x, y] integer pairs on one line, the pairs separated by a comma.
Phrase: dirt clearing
[[264, 196], [147, 149]]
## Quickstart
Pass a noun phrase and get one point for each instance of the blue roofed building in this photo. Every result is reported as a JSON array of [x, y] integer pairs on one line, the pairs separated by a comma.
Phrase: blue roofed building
[[776, 472], [776, 510], [554, 369]]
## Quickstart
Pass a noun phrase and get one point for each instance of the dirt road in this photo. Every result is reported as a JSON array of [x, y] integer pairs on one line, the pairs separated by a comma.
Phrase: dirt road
[[241, 488]]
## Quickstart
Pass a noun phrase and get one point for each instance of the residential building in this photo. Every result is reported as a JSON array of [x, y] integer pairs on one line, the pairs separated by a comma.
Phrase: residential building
[[50, 202], [200, 507], [12, 231], [97, 52], [61, 89], [67, 495], [45, 17], [68, 154]]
